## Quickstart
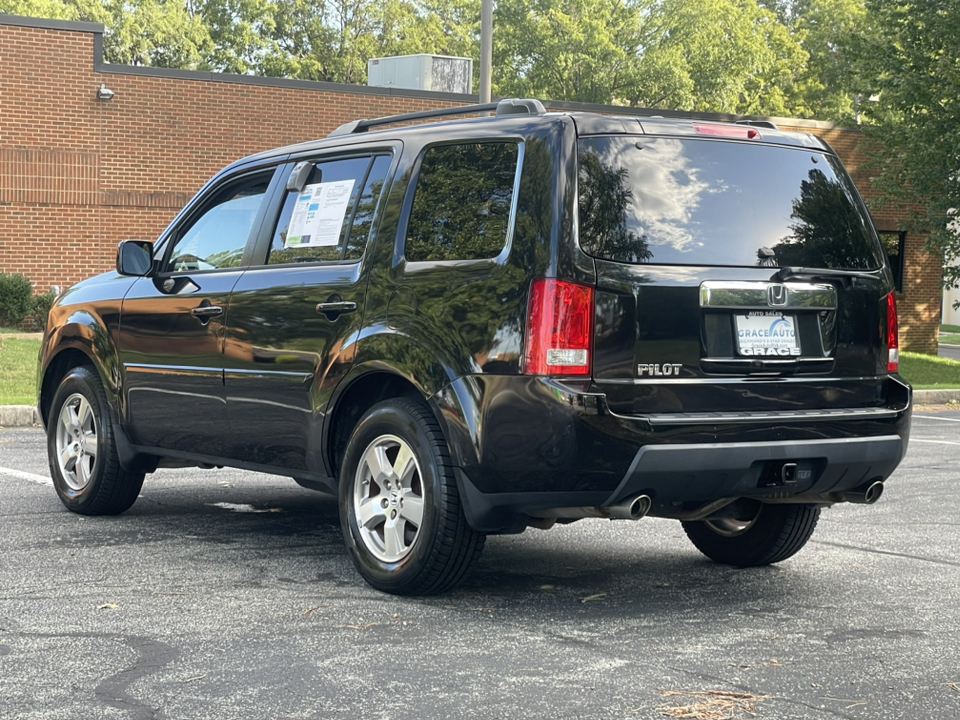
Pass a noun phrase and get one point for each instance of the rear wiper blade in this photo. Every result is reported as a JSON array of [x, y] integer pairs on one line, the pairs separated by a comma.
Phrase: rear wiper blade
[[786, 273]]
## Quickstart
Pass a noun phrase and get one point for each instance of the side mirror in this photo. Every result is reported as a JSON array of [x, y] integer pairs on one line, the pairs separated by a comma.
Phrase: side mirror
[[135, 257]]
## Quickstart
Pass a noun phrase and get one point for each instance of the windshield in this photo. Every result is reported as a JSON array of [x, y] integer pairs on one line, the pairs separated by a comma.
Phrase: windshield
[[703, 202]]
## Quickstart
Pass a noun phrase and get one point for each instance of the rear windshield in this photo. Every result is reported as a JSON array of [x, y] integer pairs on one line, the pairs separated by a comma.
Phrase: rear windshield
[[702, 202]]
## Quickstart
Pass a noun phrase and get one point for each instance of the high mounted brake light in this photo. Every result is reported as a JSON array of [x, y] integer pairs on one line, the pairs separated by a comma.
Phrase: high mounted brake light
[[741, 133], [559, 328], [893, 337]]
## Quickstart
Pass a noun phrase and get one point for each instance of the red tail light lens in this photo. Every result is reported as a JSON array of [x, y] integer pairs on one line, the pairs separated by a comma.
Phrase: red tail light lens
[[559, 328], [893, 337]]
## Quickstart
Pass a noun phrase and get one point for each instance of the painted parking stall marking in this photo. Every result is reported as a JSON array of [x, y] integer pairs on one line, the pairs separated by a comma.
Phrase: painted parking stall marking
[[30, 477]]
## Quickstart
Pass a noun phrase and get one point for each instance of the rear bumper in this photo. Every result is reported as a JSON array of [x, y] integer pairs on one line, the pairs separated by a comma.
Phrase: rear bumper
[[524, 445]]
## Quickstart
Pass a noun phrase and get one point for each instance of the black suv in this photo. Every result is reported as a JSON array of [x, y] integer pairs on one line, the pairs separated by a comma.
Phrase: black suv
[[492, 323]]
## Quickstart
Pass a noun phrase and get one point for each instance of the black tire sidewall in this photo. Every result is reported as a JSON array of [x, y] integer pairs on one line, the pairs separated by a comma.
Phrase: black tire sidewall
[[761, 544], [392, 418], [80, 380]]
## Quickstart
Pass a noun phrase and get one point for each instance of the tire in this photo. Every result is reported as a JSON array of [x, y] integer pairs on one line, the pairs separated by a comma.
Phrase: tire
[[82, 452], [772, 534], [408, 537]]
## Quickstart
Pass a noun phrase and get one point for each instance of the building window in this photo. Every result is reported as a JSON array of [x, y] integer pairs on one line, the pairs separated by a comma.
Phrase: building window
[[894, 244]]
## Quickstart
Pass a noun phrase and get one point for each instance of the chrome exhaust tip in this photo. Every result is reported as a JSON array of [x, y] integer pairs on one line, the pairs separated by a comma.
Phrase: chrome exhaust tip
[[631, 509], [866, 494]]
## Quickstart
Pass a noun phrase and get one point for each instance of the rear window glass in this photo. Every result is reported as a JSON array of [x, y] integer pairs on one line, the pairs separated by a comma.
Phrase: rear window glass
[[701, 202]]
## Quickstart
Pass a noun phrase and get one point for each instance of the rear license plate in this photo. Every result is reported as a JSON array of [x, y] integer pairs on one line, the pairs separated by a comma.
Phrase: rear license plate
[[773, 334]]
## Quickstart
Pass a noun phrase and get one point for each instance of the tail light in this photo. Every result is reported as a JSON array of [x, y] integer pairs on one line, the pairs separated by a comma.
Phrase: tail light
[[893, 338], [559, 328]]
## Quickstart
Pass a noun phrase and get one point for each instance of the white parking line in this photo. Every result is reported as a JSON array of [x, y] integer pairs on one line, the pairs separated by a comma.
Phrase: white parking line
[[934, 417], [936, 442], [19, 474]]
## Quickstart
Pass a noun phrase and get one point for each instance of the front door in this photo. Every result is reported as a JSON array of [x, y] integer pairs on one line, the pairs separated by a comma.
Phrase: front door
[[172, 323]]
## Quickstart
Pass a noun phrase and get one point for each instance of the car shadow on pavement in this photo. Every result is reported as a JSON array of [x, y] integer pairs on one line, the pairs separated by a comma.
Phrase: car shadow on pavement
[[591, 569]]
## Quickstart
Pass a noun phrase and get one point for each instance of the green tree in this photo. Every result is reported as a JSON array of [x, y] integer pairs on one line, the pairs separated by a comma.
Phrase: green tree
[[827, 31], [707, 55], [161, 33], [908, 57]]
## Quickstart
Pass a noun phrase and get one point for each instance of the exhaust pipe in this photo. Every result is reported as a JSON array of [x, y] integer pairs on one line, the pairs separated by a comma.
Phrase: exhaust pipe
[[632, 508], [866, 494]]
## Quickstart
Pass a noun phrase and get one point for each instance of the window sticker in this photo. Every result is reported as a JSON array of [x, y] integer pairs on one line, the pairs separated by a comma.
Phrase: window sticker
[[318, 215]]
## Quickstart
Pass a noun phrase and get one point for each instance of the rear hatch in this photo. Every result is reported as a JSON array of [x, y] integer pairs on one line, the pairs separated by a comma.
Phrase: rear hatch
[[737, 271]]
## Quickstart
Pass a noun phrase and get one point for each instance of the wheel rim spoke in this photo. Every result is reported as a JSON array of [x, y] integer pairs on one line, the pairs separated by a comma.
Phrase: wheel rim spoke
[[412, 509], [68, 418], [405, 465], [91, 445], [369, 513], [84, 466], [85, 415], [379, 465], [393, 539], [68, 458]]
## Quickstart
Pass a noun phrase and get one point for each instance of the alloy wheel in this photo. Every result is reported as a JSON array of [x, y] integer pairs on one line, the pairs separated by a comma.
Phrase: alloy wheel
[[388, 498], [77, 441]]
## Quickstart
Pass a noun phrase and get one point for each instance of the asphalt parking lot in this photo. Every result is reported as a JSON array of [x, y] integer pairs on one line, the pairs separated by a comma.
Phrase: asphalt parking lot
[[225, 594]]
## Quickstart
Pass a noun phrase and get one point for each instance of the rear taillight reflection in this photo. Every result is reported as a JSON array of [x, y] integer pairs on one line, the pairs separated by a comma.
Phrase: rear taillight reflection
[[893, 338], [559, 328]]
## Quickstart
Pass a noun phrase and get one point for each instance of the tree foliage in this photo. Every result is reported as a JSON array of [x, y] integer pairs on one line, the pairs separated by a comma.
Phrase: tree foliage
[[909, 62]]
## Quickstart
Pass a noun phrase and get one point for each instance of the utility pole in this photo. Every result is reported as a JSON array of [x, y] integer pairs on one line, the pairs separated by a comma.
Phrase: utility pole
[[486, 49]]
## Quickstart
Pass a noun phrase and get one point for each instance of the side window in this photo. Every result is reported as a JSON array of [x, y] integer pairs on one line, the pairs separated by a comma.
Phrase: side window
[[330, 218], [363, 218], [216, 239], [461, 205]]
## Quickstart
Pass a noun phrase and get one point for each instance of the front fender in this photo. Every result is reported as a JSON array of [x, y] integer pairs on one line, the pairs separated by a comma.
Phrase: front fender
[[80, 331]]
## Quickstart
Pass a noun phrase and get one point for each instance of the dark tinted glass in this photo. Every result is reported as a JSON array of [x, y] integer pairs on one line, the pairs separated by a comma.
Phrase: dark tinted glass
[[701, 202], [334, 171], [461, 208], [363, 218]]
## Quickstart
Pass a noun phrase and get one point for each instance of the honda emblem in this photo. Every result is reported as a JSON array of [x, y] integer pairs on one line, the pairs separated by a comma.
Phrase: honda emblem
[[776, 295]]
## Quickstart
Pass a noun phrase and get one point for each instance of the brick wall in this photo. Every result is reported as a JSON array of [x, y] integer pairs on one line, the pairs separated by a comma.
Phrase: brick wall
[[78, 174]]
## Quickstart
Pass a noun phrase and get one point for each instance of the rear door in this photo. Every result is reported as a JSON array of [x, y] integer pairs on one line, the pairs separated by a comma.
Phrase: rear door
[[734, 275], [295, 313]]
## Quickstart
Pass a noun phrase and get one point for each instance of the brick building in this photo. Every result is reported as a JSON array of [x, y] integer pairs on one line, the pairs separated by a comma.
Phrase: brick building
[[79, 173]]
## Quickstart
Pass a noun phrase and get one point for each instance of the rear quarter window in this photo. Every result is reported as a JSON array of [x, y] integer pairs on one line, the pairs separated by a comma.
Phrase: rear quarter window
[[701, 202], [462, 202]]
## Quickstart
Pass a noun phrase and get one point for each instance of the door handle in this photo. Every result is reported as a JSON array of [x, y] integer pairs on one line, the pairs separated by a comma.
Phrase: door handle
[[203, 313], [335, 306], [344, 306]]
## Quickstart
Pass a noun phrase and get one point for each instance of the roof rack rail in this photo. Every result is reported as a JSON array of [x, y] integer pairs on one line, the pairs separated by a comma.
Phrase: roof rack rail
[[758, 123], [507, 106]]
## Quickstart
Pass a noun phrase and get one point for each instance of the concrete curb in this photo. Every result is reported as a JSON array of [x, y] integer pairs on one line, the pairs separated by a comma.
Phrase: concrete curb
[[935, 397], [27, 415], [18, 416]]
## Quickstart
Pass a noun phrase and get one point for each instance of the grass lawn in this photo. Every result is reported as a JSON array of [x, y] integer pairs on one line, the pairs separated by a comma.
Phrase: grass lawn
[[928, 372], [18, 370], [950, 334]]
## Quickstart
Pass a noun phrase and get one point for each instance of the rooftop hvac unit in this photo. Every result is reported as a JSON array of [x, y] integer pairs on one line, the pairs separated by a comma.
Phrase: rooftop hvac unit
[[438, 73]]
